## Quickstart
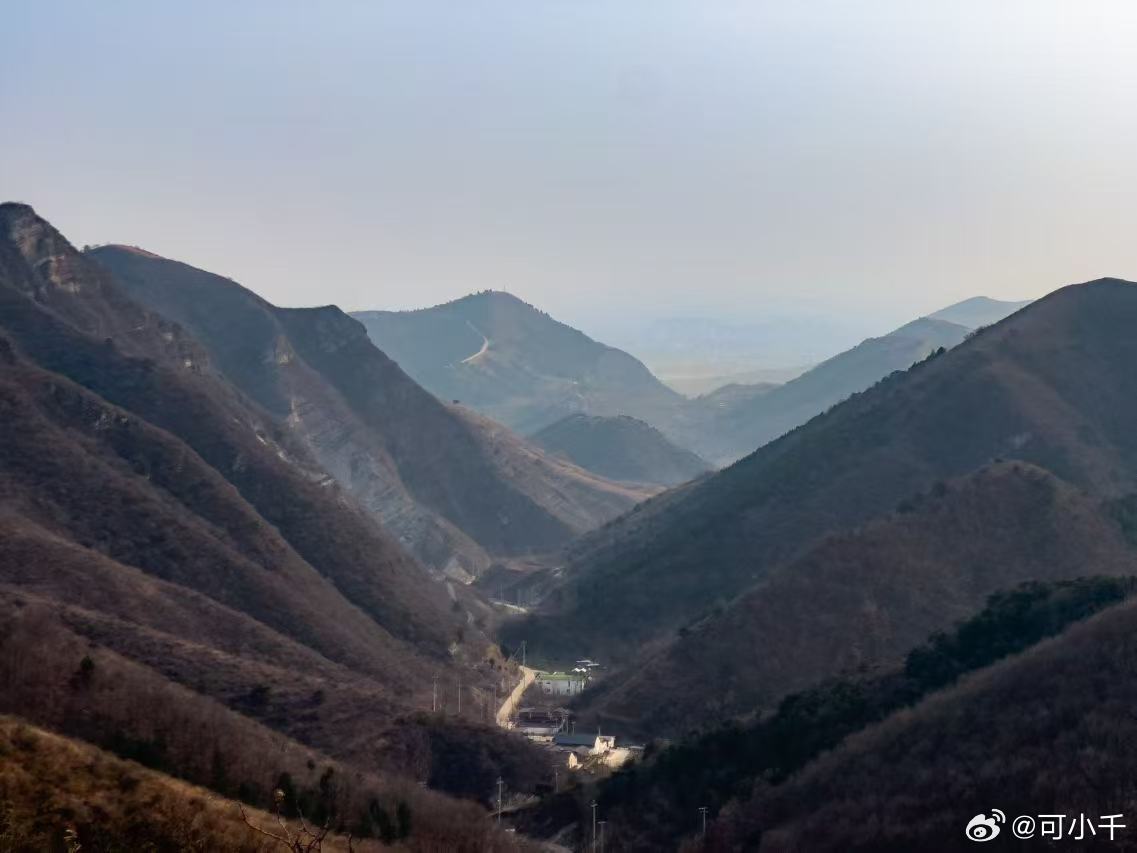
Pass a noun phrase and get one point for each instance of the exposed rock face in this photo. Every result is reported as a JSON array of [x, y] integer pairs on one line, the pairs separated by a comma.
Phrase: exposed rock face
[[455, 492]]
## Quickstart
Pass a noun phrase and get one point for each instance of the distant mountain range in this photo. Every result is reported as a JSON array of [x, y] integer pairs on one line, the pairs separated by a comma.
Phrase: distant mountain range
[[736, 420], [1049, 385], [458, 491], [621, 448], [978, 311], [870, 611], [514, 363]]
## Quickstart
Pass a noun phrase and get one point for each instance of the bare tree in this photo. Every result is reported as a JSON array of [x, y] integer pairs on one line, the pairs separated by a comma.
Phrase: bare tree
[[305, 839]]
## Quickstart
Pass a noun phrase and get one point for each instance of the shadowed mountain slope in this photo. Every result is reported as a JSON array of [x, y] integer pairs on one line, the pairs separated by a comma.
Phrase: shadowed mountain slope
[[649, 804], [1050, 731], [426, 469], [516, 364], [621, 448], [204, 573], [860, 600], [178, 445], [1052, 384]]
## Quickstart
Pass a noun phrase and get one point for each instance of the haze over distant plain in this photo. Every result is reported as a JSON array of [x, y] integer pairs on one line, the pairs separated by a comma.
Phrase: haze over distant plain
[[851, 165]]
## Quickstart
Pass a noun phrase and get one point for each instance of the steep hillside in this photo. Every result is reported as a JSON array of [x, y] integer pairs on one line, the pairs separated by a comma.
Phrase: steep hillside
[[55, 678], [514, 363], [620, 448], [649, 805], [156, 463], [860, 600], [978, 311], [155, 511], [1048, 732], [1053, 384], [737, 420], [423, 467], [61, 794]]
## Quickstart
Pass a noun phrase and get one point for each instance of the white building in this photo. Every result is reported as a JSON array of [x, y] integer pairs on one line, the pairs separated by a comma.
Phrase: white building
[[561, 683]]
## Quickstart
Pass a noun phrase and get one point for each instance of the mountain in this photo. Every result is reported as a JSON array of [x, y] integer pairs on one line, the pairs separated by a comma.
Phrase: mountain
[[649, 805], [180, 582], [697, 385], [738, 419], [56, 789], [1046, 732], [860, 600], [111, 718], [458, 492], [978, 311], [1051, 385], [514, 363], [620, 448]]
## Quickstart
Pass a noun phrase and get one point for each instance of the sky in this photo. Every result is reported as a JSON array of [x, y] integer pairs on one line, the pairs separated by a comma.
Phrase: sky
[[610, 160]]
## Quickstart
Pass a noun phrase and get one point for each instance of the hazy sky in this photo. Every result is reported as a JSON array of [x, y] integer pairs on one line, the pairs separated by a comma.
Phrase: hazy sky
[[871, 161]]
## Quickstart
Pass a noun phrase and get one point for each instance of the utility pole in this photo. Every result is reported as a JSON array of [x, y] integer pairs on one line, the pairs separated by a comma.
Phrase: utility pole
[[703, 811], [500, 783], [594, 826], [434, 695], [602, 835], [459, 696]]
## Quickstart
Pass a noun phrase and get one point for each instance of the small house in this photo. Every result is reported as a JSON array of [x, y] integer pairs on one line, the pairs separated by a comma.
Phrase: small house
[[561, 683], [589, 744]]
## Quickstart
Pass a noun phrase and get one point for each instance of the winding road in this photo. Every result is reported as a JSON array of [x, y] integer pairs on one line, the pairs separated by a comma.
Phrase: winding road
[[510, 704], [482, 351]]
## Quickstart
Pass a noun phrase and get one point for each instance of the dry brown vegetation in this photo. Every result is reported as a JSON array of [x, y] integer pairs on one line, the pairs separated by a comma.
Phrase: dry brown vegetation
[[62, 681], [860, 600], [452, 489], [652, 805], [59, 794], [1051, 731], [183, 587]]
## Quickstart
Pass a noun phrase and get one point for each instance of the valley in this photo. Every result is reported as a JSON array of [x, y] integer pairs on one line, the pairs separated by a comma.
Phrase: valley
[[568, 427]]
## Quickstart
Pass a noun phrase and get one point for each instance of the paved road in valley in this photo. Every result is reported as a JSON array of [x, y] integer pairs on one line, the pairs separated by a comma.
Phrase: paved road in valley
[[510, 703]]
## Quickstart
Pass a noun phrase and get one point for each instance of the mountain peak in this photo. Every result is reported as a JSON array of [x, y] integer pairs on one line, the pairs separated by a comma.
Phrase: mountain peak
[[514, 363], [134, 250]]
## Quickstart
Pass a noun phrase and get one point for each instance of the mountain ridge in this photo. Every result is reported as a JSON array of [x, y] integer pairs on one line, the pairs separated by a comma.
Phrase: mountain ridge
[[514, 362], [424, 467], [1050, 381], [621, 447], [860, 599]]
